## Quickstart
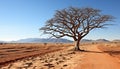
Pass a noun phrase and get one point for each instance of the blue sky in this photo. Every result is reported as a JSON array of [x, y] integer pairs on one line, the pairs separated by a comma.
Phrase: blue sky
[[21, 19]]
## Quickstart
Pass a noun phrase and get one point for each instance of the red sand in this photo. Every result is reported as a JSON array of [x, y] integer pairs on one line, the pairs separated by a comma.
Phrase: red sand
[[96, 59]]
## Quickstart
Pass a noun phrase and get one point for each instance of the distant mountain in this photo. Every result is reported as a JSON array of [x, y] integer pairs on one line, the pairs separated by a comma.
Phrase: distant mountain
[[98, 40], [42, 40], [102, 40], [1, 41], [86, 40], [54, 40], [117, 40]]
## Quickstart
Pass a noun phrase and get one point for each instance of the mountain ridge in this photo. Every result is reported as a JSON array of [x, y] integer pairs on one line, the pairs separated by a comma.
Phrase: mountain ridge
[[42, 40], [52, 40]]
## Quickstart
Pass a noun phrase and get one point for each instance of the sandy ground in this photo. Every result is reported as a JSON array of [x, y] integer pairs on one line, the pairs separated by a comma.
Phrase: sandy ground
[[92, 58], [96, 59], [64, 59]]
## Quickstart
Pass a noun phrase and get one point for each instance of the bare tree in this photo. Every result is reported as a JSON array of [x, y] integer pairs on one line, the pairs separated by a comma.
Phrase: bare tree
[[75, 23]]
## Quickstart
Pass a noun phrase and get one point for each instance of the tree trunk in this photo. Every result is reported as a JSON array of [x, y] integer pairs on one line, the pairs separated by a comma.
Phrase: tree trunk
[[76, 46]]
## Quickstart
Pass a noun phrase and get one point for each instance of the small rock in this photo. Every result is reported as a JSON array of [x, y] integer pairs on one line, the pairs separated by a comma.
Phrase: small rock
[[64, 58], [49, 65], [50, 60], [60, 55], [61, 61], [64, 65], [28, 64], [57, 63], [46, 61], [56, 59]]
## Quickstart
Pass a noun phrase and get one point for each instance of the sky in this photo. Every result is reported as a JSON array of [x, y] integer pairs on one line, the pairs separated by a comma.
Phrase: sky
[[21, 19]]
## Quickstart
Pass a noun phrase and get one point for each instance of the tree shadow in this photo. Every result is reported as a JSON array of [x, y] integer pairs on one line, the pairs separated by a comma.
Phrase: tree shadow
[[111, 52], [92, 51]]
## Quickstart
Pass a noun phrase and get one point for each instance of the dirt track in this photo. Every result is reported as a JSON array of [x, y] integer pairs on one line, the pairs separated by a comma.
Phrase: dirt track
[[96, 59]]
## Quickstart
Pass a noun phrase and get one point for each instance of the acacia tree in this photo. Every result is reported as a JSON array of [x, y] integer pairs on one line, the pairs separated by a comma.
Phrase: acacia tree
[[75, 23]]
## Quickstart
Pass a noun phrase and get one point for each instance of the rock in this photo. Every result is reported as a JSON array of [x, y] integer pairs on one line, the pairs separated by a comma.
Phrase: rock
[[28, 64], [49, 65], [64, 58], [56, 59], [61, 61], [65, 65]]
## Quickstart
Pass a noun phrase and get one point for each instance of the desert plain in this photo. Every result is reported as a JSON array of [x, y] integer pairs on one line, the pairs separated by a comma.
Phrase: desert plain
[[59, 56]]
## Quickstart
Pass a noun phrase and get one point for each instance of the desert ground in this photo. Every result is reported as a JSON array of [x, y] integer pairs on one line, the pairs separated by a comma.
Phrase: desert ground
[[59, 56]]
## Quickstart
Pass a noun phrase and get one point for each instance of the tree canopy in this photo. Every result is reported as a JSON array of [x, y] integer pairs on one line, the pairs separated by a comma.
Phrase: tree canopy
[[75, 22]]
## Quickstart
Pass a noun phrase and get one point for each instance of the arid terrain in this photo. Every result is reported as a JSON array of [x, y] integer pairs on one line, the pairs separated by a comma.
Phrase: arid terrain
[[60, 56]]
